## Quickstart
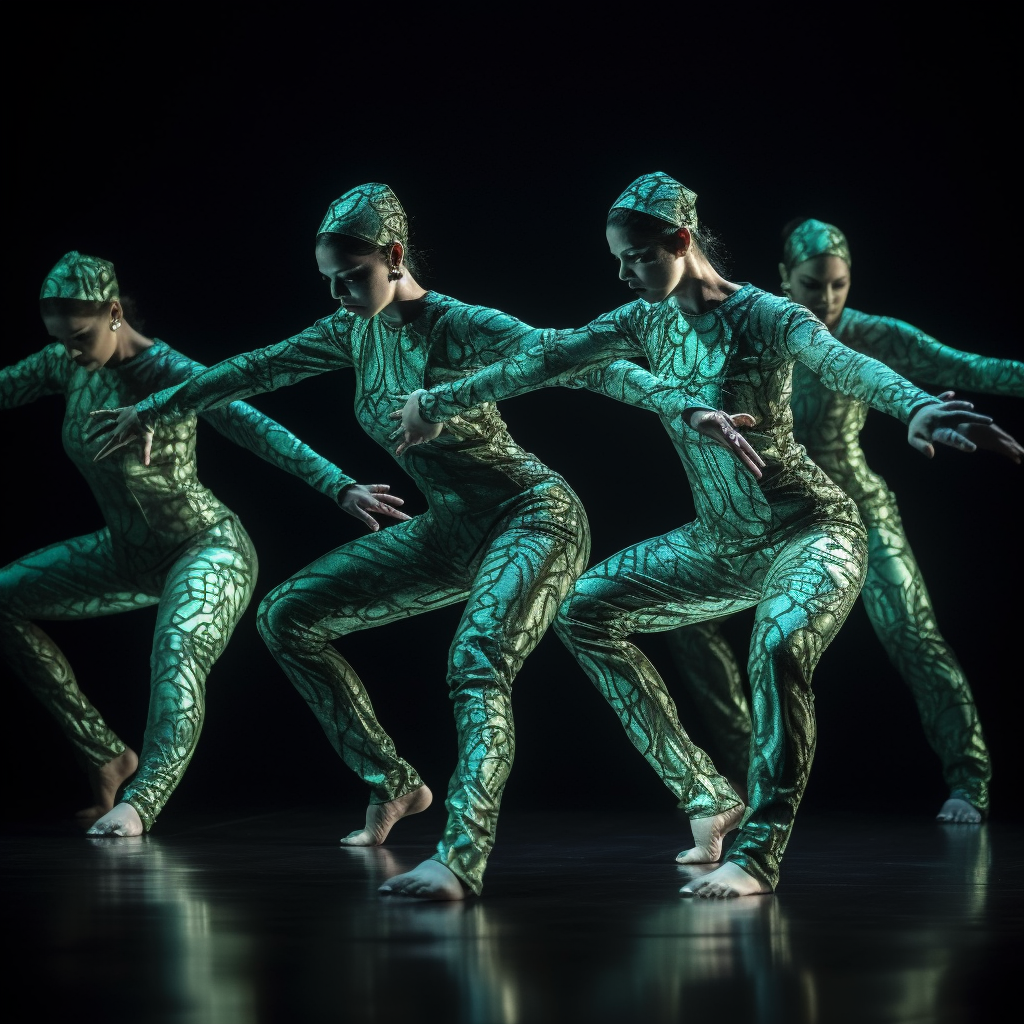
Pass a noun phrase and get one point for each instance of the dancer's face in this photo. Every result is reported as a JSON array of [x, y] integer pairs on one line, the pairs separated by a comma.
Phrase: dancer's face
[[88, 340], [651, 271], [362, 284], [821, 284]]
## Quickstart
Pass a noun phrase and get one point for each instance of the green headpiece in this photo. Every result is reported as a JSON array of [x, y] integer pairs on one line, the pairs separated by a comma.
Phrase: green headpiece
[[815, 238], [660, 196], [81, 277], [371, 212]]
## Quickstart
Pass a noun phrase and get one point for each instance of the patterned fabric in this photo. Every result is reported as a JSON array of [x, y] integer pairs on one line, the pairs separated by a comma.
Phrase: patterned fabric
[[502, 532], [815, 238], [168, 541], [86, 278], [662, 197], [371, 212], [791, 544]]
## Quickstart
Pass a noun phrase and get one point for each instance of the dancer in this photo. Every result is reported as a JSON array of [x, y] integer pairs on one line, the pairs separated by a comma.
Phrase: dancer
[[791, 545], [502, 533], [816, 272], [167, 541]]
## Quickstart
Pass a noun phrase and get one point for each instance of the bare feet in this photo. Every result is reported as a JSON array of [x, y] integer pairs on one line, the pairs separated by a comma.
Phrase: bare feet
[[123, 820], [958, 812], [723, 883], [430, 880], [708, 834], [381, 818], [105, 781]]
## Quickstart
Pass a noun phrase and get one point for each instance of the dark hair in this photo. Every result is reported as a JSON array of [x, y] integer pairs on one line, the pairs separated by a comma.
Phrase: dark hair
[[654, 231], [350, 246], [89, 307]]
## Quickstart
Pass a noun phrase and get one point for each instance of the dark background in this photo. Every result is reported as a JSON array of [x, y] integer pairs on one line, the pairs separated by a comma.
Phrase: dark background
[[202, 168]]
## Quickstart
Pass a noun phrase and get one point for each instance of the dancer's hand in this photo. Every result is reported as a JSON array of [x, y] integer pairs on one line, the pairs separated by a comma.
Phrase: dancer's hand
[[364, 501], [724, 428], [989, 436], [942, 422], [127, 428], [414, 429]]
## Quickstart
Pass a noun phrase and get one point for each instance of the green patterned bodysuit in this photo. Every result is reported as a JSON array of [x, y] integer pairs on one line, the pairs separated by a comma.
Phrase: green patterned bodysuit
[[791, 545], [895, 596], [502, 533], [167, 542]]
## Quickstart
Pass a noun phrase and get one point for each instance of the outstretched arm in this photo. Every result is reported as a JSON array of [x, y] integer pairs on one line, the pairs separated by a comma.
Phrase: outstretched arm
[[921, 357], [37, 375], [929, 420], [316, 350]]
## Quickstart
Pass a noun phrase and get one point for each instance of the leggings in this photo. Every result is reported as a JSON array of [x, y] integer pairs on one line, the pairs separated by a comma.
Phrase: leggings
[[200, 597], [511, 565], [900, 610], [802, 588]]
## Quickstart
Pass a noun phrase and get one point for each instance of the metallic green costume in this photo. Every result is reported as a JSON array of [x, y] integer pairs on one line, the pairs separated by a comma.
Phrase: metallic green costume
[[792, 545], [895, 596], [168, 541], [502, 532]]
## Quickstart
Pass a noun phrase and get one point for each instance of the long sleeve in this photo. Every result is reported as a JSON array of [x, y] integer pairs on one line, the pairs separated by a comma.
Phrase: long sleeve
[[624, 381], [37, 375], [249, 428], [545, 357], [921, 357], [314, 351], [840, 368]]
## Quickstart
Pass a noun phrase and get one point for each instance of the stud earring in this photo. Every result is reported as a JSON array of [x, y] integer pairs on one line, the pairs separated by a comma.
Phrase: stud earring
[[115, 323], [786, 290], [394, 274]]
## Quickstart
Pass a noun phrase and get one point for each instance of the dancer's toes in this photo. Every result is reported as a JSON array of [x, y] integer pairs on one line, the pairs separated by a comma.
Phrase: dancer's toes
[[123, 820], [381, 818], [105, 781], [724, 882], [958, 812], [708, 834], [430, 880]]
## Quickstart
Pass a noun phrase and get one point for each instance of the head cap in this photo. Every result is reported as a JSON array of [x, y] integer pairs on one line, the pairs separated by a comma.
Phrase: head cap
[[660, 196], [81, 277], [812, 238], [371, 212]]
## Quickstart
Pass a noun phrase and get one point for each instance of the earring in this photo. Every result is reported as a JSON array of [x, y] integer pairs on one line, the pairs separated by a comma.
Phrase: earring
[[786, 290], [115, 323], [394, 274]]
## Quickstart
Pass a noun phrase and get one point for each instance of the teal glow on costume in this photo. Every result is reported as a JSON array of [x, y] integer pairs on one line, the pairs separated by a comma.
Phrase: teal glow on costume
[[167, 542], [791, 545], [502, 533], [81, 278], [813, 238], [895, 595]]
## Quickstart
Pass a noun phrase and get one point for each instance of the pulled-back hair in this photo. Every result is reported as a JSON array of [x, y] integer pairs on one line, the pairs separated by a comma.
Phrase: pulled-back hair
[[347, 245], [89, 307], [654, 231]]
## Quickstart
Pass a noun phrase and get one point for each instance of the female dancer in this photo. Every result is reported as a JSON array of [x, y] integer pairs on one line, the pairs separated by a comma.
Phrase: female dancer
[[503, 533], [167, 541], [816, 273], [791, 544]]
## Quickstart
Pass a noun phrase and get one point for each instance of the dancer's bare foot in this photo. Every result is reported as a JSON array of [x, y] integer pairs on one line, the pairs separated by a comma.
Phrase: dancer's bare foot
[[708, 834], [956, 811], [123, 820], [381, 818], [105, 781], [429, 880], [724, 883]]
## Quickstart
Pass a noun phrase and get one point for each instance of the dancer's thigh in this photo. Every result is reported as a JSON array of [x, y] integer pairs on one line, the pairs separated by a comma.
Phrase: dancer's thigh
[[72, 579], [662, 583], [809, 589], [396, 573]]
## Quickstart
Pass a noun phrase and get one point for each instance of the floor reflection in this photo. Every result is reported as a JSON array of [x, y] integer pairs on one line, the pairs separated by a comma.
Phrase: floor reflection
[[237, 926]]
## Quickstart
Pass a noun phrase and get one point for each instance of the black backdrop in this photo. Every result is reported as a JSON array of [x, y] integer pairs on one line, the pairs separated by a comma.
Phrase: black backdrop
[[203, 169]]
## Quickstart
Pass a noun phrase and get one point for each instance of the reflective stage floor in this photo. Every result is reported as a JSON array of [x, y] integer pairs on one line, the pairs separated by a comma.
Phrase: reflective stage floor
[[267, 918]]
